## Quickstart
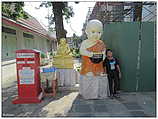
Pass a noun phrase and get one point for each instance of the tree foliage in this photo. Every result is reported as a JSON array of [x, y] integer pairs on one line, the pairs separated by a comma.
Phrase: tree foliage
[[67, 11], [60, 10], [14, 10]]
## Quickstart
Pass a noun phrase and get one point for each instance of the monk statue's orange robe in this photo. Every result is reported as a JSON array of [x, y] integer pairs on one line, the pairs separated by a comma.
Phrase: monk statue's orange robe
[[88, 65]]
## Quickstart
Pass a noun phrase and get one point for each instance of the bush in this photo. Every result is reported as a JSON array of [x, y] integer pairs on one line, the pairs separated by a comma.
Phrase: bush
[[42, 55], [51, 53], [76, 53]]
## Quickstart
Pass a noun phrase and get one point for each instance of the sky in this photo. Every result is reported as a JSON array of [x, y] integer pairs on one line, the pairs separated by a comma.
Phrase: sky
[[76, 22]]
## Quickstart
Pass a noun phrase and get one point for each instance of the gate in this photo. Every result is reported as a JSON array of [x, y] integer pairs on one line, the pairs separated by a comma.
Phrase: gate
[[134, 44]]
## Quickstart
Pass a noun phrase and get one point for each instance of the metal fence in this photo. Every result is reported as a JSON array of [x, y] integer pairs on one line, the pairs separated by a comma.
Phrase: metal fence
[[133, 43]]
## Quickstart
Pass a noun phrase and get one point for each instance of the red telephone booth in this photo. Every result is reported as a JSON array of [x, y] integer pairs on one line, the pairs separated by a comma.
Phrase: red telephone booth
[[28, 77]]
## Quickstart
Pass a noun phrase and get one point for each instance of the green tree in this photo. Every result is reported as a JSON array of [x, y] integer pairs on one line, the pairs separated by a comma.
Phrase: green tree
[[77, 40], [59, 10], [14, 10]]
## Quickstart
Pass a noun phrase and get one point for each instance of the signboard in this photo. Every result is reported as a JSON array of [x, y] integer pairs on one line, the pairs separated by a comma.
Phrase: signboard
[[26, 76], [50, 69], [25, 55]]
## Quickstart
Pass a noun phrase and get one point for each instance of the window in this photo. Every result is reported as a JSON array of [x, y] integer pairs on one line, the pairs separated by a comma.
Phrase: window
[[26, 35], [8, 30], [9, 46]]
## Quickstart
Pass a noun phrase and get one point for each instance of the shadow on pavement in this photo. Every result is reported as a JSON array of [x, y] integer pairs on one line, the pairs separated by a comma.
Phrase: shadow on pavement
[[27, 110]]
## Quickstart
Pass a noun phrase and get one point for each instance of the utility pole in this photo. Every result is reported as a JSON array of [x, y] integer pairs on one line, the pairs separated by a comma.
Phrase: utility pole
[[138, 17]]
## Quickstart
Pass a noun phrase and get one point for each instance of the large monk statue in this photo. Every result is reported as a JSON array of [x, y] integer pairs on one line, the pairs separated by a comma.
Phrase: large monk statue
[[63, 58], [93, 50]]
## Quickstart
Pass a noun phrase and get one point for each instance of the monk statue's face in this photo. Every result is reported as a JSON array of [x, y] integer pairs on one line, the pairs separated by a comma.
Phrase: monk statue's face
[[94, 29]]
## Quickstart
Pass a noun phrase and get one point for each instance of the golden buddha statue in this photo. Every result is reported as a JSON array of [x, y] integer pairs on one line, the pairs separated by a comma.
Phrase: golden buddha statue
[[63, 58]]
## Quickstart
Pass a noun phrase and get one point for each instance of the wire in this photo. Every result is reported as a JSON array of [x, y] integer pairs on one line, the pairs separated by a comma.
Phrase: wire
[[72, 28]]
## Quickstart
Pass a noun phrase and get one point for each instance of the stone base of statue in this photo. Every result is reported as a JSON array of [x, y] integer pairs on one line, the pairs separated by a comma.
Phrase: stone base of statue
[[67, 77], [63, 62], [94, 87]]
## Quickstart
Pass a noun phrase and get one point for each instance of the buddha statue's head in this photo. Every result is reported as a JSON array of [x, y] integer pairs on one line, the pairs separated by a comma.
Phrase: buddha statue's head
[[94, 29], [62, 41]]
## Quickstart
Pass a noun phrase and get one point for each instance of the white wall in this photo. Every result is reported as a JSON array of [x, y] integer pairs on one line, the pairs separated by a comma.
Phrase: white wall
[[9, 73]]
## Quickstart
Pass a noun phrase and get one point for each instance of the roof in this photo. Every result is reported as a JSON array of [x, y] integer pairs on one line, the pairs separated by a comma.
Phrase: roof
[[33, 24], [29, 25]]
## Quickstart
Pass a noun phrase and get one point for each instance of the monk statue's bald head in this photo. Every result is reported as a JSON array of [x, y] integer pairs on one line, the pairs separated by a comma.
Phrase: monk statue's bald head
[[94, 29]]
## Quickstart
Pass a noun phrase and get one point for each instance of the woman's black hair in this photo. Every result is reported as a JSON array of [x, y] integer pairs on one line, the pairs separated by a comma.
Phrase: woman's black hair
[[108, 50]]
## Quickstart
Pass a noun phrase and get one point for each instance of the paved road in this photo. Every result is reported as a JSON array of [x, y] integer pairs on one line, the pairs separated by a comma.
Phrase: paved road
[[71, 104], [129, 105]]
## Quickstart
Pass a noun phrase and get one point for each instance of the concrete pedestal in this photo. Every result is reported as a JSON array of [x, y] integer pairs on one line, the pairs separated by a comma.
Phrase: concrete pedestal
[[67, 77], [94, 87]]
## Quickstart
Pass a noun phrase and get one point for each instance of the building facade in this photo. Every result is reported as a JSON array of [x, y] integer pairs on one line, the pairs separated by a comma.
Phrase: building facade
[[21, 34], [122, 11], [108, 12]]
